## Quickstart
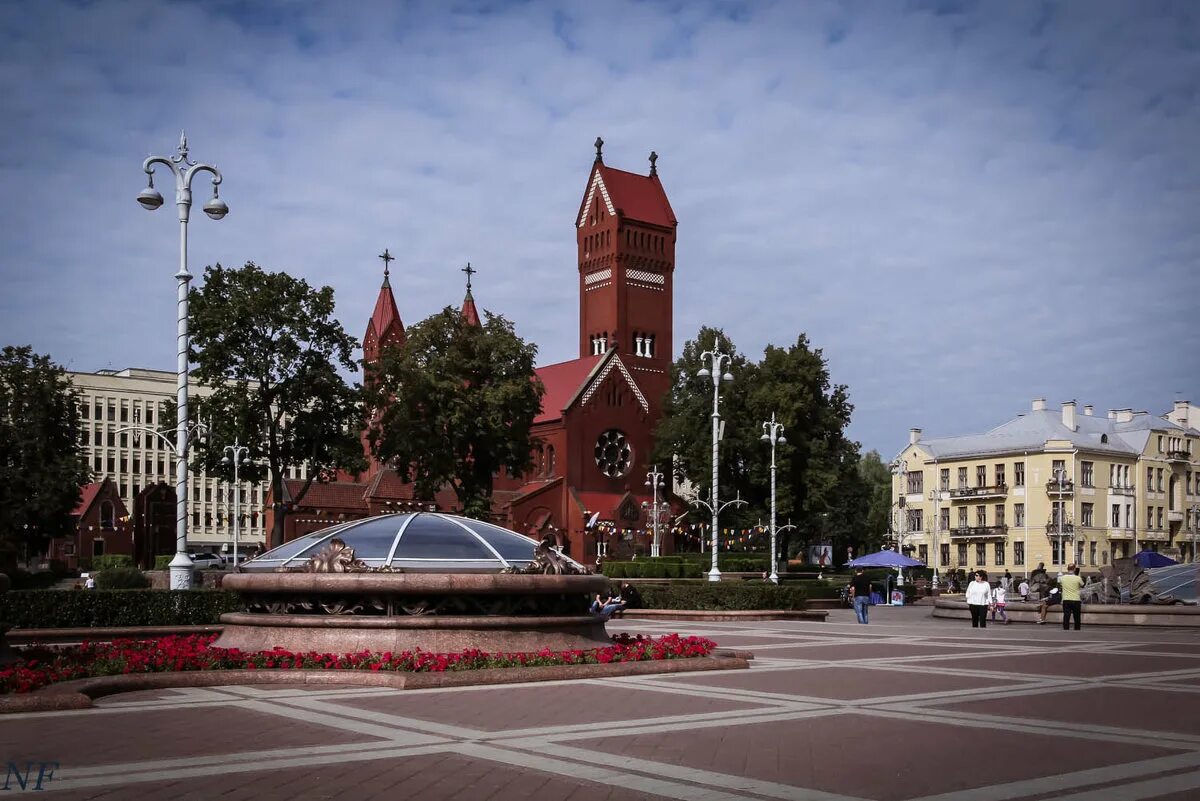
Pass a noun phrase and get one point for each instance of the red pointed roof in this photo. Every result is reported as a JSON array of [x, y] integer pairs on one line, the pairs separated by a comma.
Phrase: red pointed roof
[[562, 382], [87, 496], [635, 197], [386, 314], [469, 312]]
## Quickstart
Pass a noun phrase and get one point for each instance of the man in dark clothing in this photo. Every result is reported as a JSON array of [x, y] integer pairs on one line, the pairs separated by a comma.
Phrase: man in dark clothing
[[860, 591]]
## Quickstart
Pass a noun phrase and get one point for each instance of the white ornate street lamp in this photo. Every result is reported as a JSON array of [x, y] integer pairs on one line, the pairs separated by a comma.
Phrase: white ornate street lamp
[[654, 480], [773, 434], [716, 362], [935, 495], [184, 170], [235, 454]]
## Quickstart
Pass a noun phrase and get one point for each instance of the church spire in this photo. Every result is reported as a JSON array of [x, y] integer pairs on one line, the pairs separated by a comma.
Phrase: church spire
[[469, 312], [385, 328]]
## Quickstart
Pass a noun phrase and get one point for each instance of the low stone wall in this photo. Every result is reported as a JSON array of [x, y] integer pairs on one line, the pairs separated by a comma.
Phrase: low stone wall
[[704, 614], [1093, 614]]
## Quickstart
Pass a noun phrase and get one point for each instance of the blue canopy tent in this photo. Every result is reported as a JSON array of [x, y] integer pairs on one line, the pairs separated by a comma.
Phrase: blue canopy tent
[[886, 559], [1149, 559]]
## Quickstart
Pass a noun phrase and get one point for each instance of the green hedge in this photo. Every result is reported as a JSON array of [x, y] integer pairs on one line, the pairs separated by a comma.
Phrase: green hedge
[[109, 561], [721, 596], [163, 561], [681, 566], [24, 580], [37, 609], [122, 578]]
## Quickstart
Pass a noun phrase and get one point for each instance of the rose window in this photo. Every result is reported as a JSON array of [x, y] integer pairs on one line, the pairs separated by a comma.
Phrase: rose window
[[613, 454]]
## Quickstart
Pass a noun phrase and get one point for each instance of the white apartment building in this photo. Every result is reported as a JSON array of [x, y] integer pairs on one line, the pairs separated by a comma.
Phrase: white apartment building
[[112, 404]]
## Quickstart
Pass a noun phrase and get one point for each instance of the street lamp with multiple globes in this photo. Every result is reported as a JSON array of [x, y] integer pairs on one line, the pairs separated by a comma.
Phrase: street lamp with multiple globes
[[716, 362], [654, 480], [235, 454], [773, 434], [184, 170], [935, 495]]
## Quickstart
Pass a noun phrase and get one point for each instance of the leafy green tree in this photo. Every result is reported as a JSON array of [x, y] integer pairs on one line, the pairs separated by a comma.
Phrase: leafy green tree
[[457, 404], [42, 460], [878, 478], [269, 347]]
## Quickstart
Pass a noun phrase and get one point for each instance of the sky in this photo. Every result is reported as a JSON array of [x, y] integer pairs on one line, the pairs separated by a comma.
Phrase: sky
[[965, 206]]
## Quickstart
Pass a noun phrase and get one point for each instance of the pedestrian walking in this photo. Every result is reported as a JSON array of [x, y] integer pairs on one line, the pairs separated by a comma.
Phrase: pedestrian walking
[[1007, 581], [1072, 604], [999, 599], [860, 593], [1023, 590], [979, 595]]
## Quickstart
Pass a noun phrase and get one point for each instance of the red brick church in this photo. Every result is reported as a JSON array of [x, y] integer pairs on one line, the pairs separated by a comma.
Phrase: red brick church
[[594, 433]]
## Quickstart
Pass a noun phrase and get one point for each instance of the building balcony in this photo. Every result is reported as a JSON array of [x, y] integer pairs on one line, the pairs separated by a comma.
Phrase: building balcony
[[1054, 528], [1065, 488], [1120, 534], [1178, 456], [973, 493], [978, 532], [1175, 516], [1130, 490]]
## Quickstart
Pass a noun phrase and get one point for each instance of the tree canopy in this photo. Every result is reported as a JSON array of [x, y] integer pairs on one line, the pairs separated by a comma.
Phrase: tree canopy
[[457, 404], [818, 485], [269, 347], [42, 459]]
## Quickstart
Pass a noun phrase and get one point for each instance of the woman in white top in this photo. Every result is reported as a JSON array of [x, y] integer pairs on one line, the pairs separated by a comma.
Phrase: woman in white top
[[979, 595]]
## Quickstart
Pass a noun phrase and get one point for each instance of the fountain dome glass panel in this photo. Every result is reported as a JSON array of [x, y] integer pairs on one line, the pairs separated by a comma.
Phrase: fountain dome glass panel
[[412, 541]]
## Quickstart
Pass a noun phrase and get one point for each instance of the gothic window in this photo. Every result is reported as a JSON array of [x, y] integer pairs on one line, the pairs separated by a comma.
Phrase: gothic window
[[549, 460], [613, 453], [106, 515]]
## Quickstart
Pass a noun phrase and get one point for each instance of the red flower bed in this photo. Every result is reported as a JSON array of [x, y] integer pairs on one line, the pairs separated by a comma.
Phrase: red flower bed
[[195, 652]]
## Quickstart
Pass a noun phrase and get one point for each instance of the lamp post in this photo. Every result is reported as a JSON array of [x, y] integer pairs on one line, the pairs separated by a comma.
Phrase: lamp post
[[654, 480], [1195, 510], [184, 170], [900, 471], [773, 434], [935, 495], [715, 362], [235, 454]]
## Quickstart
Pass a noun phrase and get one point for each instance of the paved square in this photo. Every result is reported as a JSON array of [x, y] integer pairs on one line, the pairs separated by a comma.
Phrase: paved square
[[906, 709]]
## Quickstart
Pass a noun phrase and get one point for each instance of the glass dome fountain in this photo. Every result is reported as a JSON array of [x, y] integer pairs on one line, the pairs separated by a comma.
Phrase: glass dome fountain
[[411, 542]]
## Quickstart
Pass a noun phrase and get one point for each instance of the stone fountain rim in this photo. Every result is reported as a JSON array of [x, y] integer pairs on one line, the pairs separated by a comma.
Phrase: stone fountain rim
[[426, 583]]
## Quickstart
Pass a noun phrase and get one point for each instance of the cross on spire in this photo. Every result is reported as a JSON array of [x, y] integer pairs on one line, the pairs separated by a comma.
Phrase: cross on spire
[[653, 163], [599, 149], [469, 270], [387, 259]]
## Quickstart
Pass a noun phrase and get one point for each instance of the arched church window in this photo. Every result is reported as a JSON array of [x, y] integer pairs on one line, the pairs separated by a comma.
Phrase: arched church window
[[549, 460], [106, 515]]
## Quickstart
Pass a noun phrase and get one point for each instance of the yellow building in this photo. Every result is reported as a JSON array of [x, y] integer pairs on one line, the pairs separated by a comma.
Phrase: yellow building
[[1053, 486], [113, 403]]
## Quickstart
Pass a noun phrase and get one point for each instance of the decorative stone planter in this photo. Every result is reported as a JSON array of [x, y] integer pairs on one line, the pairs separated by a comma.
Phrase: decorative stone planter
[[442, 612]]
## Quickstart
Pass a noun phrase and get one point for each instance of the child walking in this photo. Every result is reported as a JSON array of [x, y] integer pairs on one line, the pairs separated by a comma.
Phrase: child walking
[[999, 598]]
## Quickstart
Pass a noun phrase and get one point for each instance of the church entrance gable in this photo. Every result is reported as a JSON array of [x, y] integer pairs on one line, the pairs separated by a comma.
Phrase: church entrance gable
[[614, 386]]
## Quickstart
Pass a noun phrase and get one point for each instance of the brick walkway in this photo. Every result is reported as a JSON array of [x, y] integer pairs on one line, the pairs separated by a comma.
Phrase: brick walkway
[[906, 708]]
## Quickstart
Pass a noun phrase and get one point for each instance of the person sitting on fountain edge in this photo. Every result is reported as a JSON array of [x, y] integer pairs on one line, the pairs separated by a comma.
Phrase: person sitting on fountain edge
[[606, 607]]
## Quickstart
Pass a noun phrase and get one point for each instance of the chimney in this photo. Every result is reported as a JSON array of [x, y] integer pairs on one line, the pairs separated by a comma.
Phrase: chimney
[[1181, 414], [1069, 415], [1089, 410], [1124, 415], [1039, 404], [914, 436]]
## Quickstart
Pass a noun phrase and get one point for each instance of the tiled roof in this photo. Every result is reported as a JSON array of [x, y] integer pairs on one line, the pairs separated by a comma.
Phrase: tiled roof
[[331, 495], [638, 197], [1030, 431], [386, 314], [469, 312], [87, 497], [605, 503], [562, 382]]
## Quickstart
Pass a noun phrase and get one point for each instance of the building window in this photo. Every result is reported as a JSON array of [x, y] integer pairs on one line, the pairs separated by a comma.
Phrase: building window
[[945, 549], [980, 554], [112, 438], [195, 519], [981, 476], [981, 516], [1160, 439], [1087, 474], [1019, 474], [962, 517], [1018, 553], [962, 554], [962, 478], [1085, 514], [923, 553], [1160, 525], [112, 464], [106, 515], [1000, 516], [1092, 554], [999, 554], [1116, 515], [1160, 481], [944, 519], [550, 460], [916, 483], [97, 547], [1000, 475], [1056, 551], [1149, 479], [1018, 514], [945, 479]]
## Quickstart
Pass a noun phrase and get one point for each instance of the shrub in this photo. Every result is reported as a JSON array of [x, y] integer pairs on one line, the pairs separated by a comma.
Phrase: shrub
[[163, 561], [36, 609], [122, 578], [109, 561], [722, 596]]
